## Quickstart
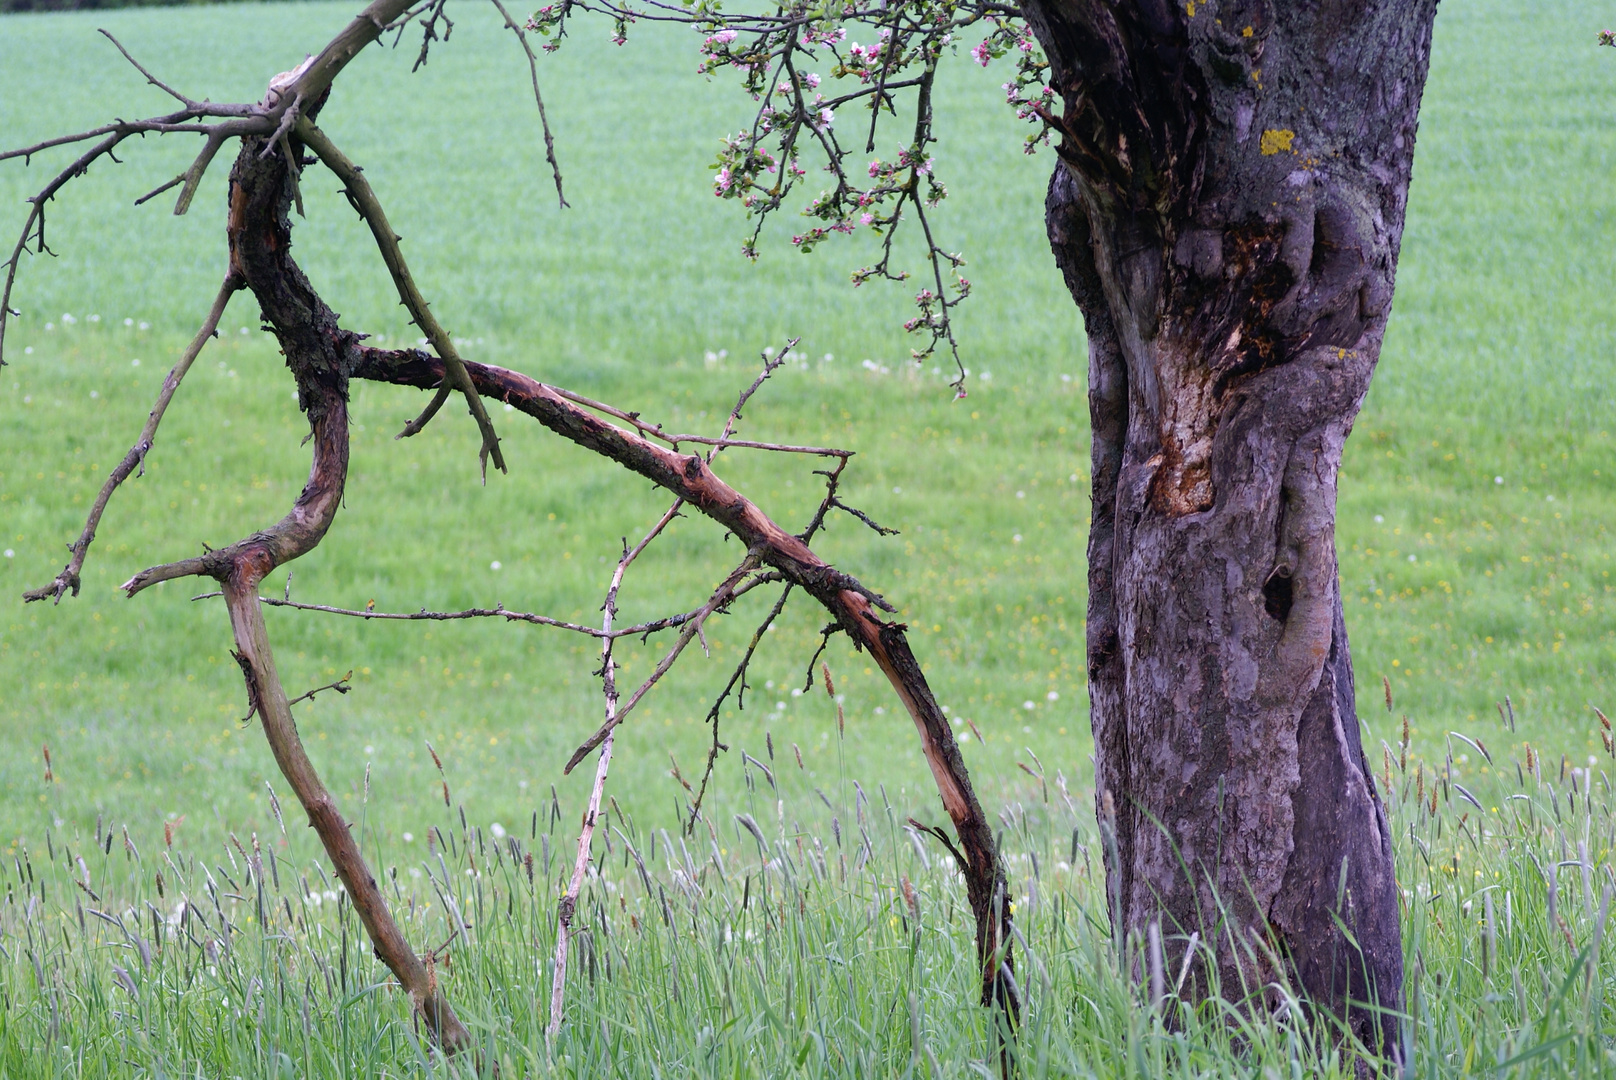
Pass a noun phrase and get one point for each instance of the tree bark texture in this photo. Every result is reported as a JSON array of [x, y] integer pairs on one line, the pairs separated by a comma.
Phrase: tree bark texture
[[320, 355], [1227, 211]]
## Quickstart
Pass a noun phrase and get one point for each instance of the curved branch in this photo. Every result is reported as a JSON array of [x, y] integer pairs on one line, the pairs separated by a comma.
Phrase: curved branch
[[317, 351], [849, 603]]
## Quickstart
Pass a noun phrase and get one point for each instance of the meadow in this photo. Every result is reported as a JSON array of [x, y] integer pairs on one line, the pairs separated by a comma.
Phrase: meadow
[[1474, 531]]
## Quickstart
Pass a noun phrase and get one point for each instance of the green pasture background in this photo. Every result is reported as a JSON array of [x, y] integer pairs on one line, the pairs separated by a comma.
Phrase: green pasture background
[[1475, 516]]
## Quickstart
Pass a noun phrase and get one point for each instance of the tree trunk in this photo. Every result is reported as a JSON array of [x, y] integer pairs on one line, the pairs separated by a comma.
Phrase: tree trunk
[[1227, 211]]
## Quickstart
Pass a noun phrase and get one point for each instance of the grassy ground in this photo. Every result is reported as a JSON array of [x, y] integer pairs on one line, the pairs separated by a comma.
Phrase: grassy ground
[[1460, 588], [829, 942]]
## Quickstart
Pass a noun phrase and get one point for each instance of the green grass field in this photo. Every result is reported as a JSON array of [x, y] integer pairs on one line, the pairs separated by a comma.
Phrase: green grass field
[[1460, 588]]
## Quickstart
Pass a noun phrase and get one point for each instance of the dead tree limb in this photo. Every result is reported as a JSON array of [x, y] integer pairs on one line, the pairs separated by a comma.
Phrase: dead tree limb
[[586, 835], [319, 353], [369, 207], [850, 604], [136, 457]]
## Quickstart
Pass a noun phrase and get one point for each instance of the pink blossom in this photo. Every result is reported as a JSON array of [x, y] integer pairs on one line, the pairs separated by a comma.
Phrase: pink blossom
[[724, 37], [875, 167], [826, 117], [866, 219], [981, 54], [724, 180]]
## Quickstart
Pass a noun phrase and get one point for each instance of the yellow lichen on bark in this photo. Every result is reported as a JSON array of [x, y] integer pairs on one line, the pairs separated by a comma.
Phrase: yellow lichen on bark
[[1275, 140]]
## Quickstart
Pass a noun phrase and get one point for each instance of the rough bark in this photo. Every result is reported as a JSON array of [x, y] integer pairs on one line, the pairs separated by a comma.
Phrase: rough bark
[[1227, 211]]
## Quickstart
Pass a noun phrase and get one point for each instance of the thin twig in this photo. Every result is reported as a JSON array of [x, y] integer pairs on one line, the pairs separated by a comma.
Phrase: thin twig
[[538, 98], [150, 78], [771, 364], [156, 191], [862, 516], [667, 622], [136, 457], [370, 208], [735, 585], [36, 222], [739, 676], [341, 686], [608, 676], [656, 431]]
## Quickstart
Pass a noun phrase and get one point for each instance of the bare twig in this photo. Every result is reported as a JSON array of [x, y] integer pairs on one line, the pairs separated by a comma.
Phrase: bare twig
[[736, 584], [341, 686], [656, 431], [136, 457], [667, 622], [156, 191], [34, 225], [538, 99], [608, 676], [370, 208], [738, 676], [771, 364], [862, 516], [150, 78]]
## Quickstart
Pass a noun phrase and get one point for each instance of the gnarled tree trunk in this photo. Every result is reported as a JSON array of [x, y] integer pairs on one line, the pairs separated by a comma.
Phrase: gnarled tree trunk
[[1227, 212]]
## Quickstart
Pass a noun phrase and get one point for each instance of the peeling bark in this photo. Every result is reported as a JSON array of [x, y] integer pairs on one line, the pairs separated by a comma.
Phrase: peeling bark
[[1227, 212]]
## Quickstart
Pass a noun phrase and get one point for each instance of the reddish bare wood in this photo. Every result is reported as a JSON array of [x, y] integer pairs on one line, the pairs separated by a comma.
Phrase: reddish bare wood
[[848, 601]]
